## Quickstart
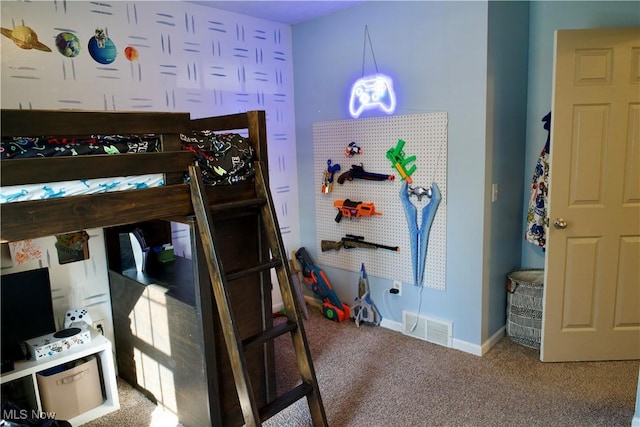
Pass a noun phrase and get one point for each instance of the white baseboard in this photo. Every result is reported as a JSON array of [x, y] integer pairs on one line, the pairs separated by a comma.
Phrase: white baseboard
[[311, 301], [493, 340], [391, 324], [467, 347], [479, 350], [277, 307], [636, 421]]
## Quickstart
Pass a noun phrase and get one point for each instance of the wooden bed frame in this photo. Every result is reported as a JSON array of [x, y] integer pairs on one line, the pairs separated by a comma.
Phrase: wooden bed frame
[[40, 218], [54, 216]]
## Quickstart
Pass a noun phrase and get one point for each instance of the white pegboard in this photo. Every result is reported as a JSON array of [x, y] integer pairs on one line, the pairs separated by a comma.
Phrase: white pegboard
[[425, 136]]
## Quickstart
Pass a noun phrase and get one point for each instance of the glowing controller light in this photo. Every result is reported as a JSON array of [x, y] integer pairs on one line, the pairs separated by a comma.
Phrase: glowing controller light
[[372, 92]]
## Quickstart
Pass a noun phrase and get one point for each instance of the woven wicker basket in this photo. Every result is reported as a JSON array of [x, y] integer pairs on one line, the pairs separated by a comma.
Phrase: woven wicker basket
[[524, 307]]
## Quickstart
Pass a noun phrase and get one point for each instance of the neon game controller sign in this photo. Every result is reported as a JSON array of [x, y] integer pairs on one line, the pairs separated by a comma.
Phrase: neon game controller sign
[[372, 92]]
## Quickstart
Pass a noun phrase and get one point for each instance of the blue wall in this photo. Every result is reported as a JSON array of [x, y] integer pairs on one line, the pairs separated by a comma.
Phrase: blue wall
[[508, 39], [545, 18], [437, 54], [473, 60]]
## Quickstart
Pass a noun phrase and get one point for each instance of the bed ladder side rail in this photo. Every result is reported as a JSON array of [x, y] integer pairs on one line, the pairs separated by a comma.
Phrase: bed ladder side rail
[[236, 347]]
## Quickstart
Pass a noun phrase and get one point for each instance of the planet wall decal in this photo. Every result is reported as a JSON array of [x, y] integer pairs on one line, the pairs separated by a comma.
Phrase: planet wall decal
[[25, 38], [131, 53], [101, 48], [68, 44]]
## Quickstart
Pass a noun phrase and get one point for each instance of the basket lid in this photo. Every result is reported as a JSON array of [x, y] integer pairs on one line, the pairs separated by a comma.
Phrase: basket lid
[[532, 277]]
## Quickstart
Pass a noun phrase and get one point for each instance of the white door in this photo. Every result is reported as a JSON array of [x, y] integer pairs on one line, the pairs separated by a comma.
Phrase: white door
[[592, 272]]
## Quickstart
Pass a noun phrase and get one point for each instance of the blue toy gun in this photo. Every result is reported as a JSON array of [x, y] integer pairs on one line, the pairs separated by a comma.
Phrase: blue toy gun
[[332, 308], [327, 178]]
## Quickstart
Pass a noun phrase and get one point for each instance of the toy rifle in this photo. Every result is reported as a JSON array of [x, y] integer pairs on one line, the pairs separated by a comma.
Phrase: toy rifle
[[350, 241], [359, 172], [398, 161], [352, 209]]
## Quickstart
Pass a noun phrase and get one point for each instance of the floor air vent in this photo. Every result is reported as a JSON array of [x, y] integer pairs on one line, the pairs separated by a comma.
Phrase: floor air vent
[[428, 329]]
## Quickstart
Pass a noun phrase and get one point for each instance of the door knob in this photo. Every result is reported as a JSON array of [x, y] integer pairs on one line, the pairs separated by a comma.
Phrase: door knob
[[560, 223]]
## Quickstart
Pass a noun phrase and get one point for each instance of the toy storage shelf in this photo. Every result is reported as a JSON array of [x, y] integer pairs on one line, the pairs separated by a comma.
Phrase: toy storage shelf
[[100, 347]]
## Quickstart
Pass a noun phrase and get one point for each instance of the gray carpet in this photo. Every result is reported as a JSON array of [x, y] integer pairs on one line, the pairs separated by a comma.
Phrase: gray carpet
[[371, 376]]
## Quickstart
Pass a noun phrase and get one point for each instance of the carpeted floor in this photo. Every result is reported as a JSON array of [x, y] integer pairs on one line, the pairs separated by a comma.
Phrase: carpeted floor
[[371, 376], [135, 411]]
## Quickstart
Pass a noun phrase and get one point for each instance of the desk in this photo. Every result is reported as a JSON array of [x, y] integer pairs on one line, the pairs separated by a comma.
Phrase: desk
[[168, 338]]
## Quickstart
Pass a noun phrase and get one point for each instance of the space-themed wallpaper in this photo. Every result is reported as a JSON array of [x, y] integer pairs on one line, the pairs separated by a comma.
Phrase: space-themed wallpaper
[[165, 55], [156, 56]]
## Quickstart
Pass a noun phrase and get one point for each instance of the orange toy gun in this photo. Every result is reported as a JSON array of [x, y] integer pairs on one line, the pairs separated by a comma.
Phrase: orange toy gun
[[352, 209], [398, 161]]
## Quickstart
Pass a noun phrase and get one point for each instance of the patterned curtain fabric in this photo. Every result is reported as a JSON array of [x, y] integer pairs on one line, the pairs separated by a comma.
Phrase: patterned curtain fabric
[[537, 217]]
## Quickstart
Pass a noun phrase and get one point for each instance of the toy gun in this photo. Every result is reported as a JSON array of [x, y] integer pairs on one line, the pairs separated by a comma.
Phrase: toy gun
[[354, 209], [352, 149], [327, 179], [332, 308], [364, 309], [296, 271], [398, 161], [358, 172], [350, 241]]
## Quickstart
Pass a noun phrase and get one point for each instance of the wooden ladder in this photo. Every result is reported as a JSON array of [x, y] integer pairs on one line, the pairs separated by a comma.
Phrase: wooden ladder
[[236, 347]]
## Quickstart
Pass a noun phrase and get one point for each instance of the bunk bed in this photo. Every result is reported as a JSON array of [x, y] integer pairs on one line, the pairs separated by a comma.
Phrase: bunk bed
[[205, 391]]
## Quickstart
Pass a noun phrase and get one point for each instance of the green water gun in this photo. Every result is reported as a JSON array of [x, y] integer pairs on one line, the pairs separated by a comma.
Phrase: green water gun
[[398, 161]]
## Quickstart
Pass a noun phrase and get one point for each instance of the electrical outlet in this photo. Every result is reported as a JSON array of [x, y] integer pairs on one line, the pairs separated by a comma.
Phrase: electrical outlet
[[98, 324], [398, 285]]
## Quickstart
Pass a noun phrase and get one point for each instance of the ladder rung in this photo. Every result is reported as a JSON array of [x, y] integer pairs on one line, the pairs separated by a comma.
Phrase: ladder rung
[[262, 206], [269, 334], [285, 400], [240, 204], [275, 262]]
